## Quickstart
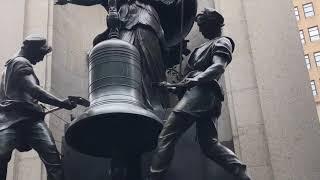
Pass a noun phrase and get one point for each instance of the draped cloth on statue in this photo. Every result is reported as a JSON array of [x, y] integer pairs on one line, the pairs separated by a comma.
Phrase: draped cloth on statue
[[153, 68]]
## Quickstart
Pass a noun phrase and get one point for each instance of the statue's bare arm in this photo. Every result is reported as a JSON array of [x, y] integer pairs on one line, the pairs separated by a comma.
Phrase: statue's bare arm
[[41, 95], [214, 71]]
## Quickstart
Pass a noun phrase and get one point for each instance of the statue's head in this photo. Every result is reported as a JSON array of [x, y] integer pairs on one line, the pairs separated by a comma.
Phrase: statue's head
[[35, 47], [210, 23]]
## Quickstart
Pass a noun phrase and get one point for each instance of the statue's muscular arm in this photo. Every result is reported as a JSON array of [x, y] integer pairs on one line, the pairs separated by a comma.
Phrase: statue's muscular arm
[[222, 56], [214, 71], [37, 92]]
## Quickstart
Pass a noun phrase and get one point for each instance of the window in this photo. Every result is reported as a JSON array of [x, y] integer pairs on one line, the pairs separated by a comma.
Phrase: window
[[308, 10], [302, 37], [314, 33], [317, 58], [313, 87], [296, 13], [306, 58]]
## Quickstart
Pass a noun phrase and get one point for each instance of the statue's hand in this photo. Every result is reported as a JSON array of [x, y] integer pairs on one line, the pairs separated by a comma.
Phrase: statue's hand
[[172, 88], [175, 90], [165, 84], [69, 104], [189, 82], [185, 50], [61, 2]]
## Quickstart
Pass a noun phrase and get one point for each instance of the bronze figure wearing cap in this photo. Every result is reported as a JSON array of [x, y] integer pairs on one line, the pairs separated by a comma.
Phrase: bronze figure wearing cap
[[201, 101], [22, 125]]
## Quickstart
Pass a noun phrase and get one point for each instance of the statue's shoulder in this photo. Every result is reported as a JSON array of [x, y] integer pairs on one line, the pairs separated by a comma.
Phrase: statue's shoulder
[[224, 42], [21, 60], [20, 65], [222, 46]]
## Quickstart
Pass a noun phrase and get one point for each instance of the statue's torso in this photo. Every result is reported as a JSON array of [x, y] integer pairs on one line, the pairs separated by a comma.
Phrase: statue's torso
[[207, 97], [17, 105], [11, 84], [138, 13], [201, 57]]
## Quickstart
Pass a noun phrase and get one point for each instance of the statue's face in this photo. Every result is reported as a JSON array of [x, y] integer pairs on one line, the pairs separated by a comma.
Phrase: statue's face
[[205, 32], [36, 55], [208, 33]]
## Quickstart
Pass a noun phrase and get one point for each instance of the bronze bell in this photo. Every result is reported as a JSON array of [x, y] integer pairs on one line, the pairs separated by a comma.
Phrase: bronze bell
[[117, 118]]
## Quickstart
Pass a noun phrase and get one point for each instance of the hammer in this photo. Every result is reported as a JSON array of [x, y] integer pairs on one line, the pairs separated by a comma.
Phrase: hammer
[[74, 99]]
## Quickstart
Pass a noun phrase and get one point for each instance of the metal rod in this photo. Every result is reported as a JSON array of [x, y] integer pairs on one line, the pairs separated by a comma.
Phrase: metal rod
[[181, 43], [53, 110]]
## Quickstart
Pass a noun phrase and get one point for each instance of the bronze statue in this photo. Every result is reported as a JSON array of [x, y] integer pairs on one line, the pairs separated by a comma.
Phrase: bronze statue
[[22, 123], [143, 24], [201, 102], [148, 26]]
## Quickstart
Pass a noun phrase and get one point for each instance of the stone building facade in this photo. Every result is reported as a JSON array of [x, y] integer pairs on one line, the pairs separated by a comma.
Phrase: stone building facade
[[269, 112]]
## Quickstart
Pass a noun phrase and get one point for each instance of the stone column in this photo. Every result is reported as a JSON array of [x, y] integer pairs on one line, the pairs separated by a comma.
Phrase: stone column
[[11, 33], [275, 125], [20, 18]]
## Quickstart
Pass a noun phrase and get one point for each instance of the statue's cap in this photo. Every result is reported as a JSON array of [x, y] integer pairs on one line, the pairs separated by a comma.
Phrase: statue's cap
[[210, 14], [37, 41]]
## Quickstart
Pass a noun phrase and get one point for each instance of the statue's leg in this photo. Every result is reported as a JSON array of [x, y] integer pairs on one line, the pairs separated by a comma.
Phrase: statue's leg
[[41, 139], [208, 140], [7, 145], [173, 128]]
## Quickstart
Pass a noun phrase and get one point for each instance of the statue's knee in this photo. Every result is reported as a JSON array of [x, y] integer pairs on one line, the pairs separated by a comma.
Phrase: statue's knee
[[208, 145]]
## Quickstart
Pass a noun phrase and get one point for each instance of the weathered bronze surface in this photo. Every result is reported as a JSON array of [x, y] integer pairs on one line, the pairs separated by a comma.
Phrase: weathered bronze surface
[[124, 96], [22, 123], [121, 121], [117, 118], [201, 102]]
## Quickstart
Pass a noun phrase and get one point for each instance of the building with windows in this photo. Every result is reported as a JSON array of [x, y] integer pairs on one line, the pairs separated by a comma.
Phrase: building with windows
[[307, 14]]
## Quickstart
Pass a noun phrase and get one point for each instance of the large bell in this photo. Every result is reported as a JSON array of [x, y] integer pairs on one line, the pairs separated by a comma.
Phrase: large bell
[[117, 119]]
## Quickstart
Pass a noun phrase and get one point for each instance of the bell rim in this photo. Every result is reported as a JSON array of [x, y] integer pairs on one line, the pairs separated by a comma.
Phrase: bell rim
[[110, 110]]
